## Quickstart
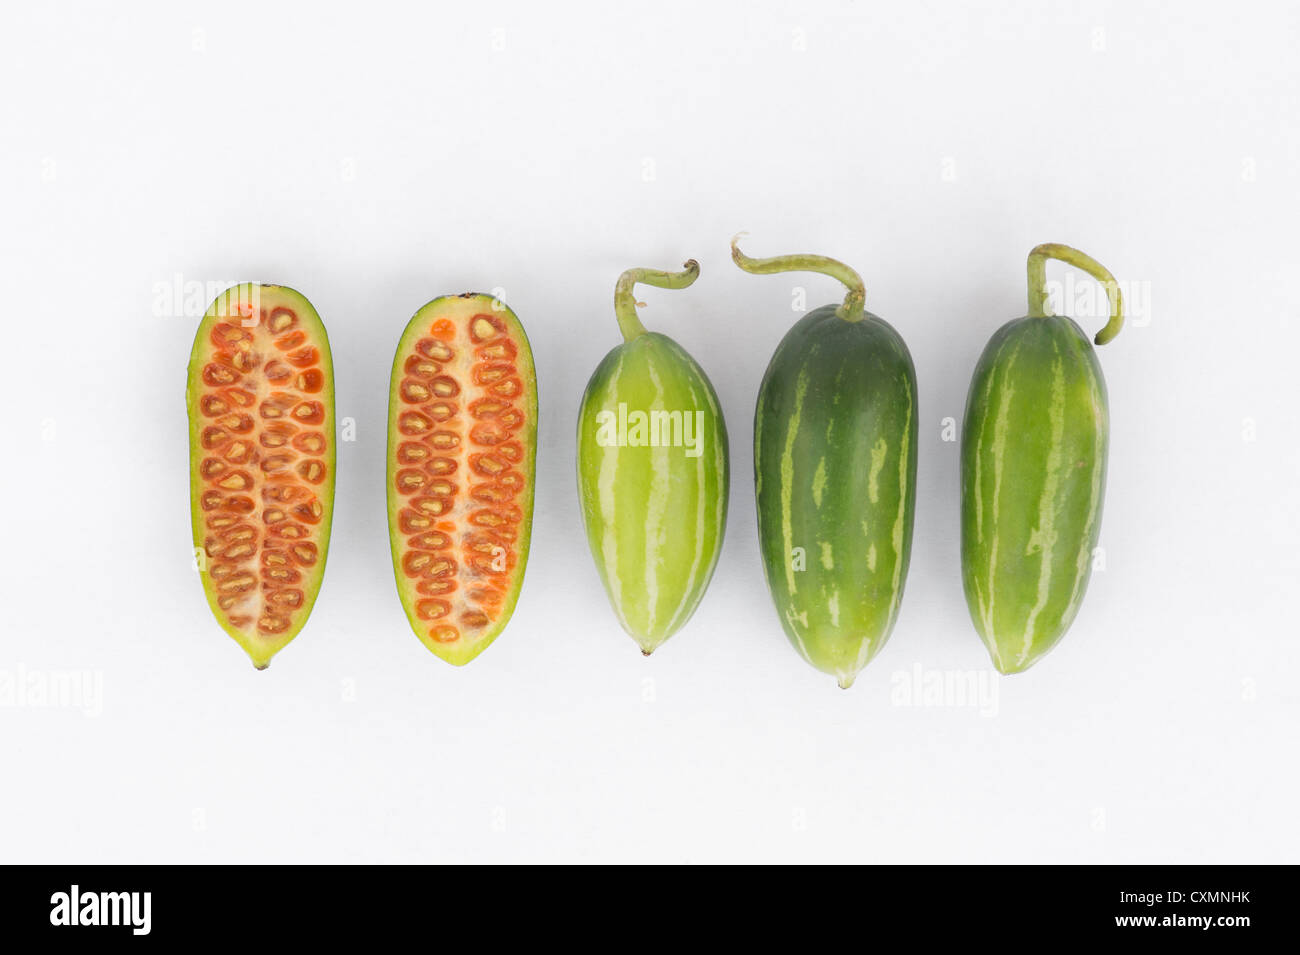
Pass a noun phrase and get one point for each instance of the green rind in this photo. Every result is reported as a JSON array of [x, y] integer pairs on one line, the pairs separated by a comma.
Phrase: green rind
[[835, 454], [262, 649], [1033, 476], [460, 655], [655, 518]]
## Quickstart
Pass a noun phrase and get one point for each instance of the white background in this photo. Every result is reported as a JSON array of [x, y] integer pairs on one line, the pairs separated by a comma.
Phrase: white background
[[375, 156]]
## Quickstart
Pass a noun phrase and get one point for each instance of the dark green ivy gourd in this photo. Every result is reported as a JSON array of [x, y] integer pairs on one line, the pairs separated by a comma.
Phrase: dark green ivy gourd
[[835, 474]]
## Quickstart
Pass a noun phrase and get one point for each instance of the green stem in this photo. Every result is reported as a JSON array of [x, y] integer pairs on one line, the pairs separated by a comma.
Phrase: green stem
[[629, 322], [854, 301], [1037, 268]]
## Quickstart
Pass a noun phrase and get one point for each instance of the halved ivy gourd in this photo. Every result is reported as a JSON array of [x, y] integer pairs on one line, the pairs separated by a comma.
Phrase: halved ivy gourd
[[462, 450], [653, 471], [835, 453], [1033, 471], [260, 395]]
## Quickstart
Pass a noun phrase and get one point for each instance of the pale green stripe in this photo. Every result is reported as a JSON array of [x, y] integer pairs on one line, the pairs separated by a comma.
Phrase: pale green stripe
[[701, 505], [1094, 499], [1001, 425], [787, 479], [1044, 535], [879, 451], [606, 485], [656, 505]]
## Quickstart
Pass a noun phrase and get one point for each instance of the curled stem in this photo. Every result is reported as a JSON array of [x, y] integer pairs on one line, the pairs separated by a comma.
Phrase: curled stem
[[854, 301], [629, 323], [1037, 267]]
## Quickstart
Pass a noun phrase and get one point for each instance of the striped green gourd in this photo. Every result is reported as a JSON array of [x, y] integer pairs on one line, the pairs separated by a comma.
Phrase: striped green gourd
[[652, 471], [1033, 471], [835, 474]]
